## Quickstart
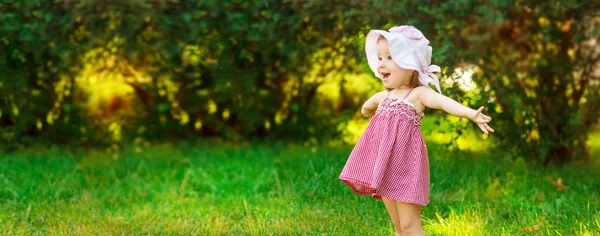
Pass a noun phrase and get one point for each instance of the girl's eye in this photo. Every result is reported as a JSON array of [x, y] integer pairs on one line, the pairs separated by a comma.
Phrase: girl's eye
[[390, 58], [379, 58]]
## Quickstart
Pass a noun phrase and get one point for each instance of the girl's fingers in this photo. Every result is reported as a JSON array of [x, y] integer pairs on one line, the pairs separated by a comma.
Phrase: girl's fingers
[[489, 128], [482, 119], [479, 110], [482, 128], [477, 113]]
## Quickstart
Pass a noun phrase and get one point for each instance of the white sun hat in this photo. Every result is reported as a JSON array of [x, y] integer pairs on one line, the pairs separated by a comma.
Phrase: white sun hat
[[409, 50]]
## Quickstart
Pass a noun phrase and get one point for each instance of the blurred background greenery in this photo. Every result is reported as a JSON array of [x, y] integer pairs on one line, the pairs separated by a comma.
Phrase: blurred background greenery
[[141, 116], [114, 72]]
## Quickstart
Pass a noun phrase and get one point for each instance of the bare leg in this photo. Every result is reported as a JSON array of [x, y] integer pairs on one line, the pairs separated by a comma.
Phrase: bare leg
[[411, 218], [392, 209]]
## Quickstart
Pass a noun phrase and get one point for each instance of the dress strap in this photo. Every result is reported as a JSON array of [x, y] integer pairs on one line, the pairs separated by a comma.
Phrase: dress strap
[[388, 94], [407, 94]]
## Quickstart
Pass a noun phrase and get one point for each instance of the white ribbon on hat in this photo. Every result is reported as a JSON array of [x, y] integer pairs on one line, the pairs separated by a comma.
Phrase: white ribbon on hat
[[426, 74]]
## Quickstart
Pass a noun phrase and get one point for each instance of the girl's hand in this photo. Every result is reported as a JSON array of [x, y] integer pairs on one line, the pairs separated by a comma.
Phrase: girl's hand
[[481, 120], [371, 105]]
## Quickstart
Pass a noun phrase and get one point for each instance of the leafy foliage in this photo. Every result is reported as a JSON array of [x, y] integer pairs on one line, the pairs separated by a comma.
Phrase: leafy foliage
[[104, 71], [536, 69]]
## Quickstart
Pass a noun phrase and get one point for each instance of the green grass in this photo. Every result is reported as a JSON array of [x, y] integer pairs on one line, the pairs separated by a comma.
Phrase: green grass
[[281, 189]]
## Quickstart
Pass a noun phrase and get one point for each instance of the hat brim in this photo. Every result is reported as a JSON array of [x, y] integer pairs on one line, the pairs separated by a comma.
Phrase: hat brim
[[401, 57]]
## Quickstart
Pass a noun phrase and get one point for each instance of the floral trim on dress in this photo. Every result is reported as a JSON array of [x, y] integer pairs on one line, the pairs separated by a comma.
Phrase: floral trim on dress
[[409, 111]]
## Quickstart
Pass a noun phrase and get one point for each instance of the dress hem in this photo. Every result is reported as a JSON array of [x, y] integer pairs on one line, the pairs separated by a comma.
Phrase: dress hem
[[372, 191]]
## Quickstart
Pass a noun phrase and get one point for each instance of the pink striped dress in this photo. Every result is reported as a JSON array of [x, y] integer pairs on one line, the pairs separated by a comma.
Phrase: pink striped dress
[[390, 158]]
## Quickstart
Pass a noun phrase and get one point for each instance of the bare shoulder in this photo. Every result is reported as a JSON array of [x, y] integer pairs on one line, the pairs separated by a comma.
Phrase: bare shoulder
[[379, 96], [421, 90]]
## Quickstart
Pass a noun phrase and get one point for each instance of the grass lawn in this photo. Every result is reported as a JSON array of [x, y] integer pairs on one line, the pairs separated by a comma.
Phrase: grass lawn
[[282, 189]]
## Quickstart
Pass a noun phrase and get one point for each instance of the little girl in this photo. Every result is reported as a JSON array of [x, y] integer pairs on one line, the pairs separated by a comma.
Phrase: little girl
[[389, 161]]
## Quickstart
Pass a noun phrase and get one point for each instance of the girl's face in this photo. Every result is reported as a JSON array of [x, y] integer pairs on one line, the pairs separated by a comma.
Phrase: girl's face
[[390, 73]]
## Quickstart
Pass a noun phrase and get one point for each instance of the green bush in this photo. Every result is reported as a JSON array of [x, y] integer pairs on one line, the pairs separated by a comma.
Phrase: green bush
[[286, 69]]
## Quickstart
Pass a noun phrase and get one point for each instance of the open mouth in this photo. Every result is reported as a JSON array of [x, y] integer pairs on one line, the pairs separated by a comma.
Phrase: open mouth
[[385, 75]]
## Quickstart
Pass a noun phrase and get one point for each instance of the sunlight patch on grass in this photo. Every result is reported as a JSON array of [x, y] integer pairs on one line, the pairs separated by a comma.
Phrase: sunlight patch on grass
[[468, 222], [592, 230]]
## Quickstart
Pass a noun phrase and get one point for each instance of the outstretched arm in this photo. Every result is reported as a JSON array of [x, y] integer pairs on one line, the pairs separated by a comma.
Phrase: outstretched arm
[[434, 100], [370, 106]]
